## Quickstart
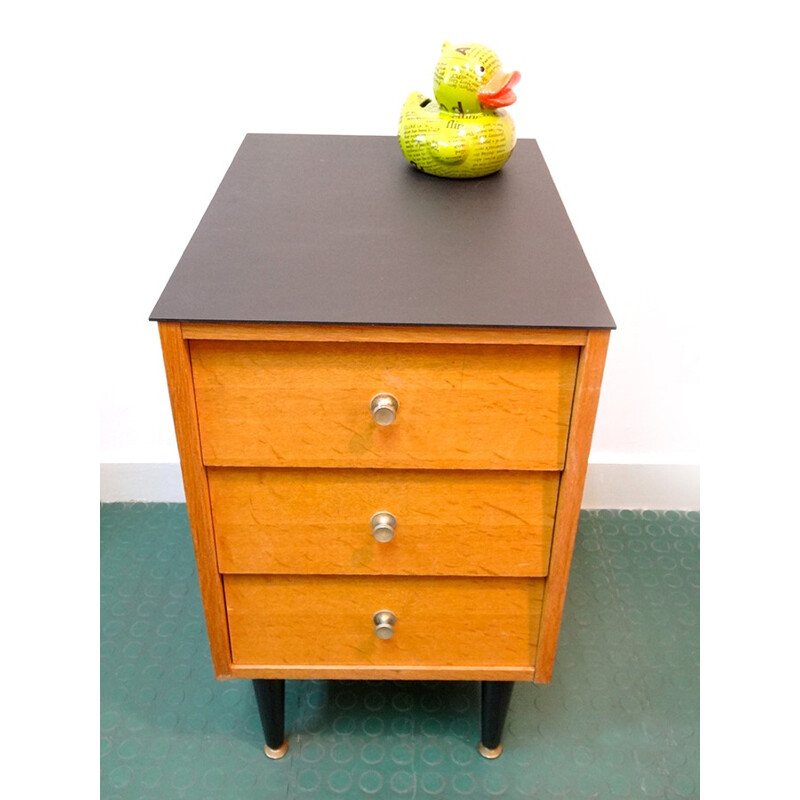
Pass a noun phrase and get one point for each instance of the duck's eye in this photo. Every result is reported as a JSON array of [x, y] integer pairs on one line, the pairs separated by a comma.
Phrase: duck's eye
[[480, 69]]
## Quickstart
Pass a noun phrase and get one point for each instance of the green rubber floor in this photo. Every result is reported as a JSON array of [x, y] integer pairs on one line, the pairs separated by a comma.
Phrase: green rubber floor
[[620, 718]]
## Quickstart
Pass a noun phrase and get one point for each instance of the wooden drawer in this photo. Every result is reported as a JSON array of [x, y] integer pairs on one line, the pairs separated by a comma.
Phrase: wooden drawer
[[307, 404], [318, 521], [328, 621]]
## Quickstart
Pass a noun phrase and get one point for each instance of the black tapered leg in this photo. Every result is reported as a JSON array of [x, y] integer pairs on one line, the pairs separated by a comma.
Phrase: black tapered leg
[[495, 698], [271, 699]]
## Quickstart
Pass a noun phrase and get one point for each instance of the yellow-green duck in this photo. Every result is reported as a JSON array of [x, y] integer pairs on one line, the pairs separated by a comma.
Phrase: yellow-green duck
[[464, 133]]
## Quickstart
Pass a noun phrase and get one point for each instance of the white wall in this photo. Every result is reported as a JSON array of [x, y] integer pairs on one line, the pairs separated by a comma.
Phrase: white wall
[[608, 89]]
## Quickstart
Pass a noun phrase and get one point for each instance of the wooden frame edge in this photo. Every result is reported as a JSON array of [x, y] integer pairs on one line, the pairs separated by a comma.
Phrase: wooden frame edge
[[570, 494], [409, 334], [361, 672], [177, 363]]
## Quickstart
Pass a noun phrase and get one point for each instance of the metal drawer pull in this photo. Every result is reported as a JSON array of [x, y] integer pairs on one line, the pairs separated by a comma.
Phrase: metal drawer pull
[[383, 524], [384, 408], [384, 624]]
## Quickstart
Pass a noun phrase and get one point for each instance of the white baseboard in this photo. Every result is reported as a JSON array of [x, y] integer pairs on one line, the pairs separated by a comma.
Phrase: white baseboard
[[141, 483], [638, 486], [674, 487]]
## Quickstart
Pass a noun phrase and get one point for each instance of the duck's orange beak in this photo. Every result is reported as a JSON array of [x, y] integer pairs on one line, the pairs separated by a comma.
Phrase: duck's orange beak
[[496, 92]]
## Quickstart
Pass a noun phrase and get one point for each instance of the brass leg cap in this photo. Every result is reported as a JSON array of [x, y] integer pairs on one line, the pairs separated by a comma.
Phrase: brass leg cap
[[275, 753], [490, 752]]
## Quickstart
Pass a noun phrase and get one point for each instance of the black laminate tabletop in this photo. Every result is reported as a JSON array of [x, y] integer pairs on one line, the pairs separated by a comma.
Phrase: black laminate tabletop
[[341, 229]]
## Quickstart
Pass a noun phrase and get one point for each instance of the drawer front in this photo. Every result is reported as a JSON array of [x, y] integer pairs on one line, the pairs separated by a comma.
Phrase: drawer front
[[319, 521], [306, 404], [328, 621]]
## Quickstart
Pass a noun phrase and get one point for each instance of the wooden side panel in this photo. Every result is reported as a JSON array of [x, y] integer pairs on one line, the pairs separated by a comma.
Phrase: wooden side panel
[[328, 621], [181, 392], [448, 522], [587, 395], [308, 405]]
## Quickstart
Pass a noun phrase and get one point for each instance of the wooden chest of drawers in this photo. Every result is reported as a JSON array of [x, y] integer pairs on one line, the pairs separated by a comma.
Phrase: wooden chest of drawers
[[381, 491]]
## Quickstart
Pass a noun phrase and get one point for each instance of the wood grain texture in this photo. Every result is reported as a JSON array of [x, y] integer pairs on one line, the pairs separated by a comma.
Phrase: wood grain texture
[[448, 522], [198, 504], [327, 621], [403, 334], [384, 673], [587, 395], [307, 404]]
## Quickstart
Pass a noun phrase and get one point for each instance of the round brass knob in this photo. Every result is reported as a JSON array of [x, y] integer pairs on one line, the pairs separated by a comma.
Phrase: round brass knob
[[384, 408], [383, 524], [384, 624]]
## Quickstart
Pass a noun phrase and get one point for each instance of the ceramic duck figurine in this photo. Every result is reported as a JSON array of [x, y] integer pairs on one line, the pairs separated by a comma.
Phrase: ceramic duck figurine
[[464, 133]]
